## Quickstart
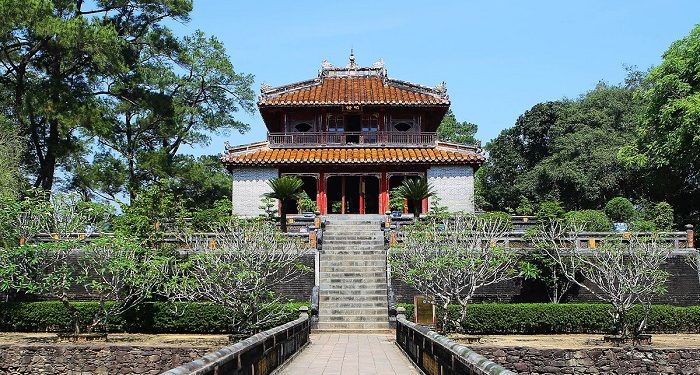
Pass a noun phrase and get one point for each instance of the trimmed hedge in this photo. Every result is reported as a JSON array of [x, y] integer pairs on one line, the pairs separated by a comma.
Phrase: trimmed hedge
[[154, 317], [544, 318]]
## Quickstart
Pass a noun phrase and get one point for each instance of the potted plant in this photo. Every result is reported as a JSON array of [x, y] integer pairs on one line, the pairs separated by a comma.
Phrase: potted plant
[[621, 211], [416, 190], [396, 202], [336, 207], [285, 189], [306, 205]]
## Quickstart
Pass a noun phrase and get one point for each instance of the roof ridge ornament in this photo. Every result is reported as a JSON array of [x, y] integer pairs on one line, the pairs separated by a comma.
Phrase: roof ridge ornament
[[352, 64], [379, 64], [265, 87], [442, 88]]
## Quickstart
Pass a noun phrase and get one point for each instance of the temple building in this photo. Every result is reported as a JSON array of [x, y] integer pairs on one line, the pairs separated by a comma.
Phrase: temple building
[[352, 134]]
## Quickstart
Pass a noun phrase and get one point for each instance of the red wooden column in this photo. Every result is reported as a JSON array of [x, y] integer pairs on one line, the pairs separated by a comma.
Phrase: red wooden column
[[383, 193], [424, 203], [321, 200], [362, 194], [342, 192]]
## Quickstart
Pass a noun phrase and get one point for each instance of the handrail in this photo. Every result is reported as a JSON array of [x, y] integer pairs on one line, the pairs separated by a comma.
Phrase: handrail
[[436, 354], [350, 139], [260, 353]]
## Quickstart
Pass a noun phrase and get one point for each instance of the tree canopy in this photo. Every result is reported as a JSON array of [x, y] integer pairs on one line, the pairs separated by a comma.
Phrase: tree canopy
[[565, 150], [451, 130]]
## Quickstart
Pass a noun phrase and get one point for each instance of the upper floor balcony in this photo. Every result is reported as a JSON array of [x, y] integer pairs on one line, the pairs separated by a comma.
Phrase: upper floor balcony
[[352, 139]]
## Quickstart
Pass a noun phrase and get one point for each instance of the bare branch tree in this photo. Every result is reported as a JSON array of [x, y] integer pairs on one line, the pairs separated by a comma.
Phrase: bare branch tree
[[449, 259], [621, 272], [120, 274], [250, 260]]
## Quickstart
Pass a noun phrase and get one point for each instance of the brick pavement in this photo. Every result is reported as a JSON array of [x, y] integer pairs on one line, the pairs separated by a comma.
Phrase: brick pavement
[[350, 354]]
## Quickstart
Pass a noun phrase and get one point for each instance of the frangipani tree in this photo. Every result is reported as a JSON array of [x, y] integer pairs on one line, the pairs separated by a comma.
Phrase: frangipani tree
[[251, 259], [621, 272], [449, 259]]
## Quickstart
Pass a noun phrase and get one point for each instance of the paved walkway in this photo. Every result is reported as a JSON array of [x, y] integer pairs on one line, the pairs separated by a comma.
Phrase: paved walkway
[[346, 354]]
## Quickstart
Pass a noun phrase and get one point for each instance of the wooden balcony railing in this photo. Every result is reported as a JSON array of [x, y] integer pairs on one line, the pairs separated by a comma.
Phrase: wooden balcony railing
[[352, 139]]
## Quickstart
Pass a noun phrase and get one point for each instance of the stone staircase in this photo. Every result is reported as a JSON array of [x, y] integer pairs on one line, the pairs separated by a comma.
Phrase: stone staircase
[[353, 287]]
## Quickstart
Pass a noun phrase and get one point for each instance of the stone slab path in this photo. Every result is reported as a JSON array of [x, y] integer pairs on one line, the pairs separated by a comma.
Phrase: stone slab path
[[350, 354]]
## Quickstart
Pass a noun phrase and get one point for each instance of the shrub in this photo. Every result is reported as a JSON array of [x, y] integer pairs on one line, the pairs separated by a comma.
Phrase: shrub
[[154, 317], [663, 216], [548, 318], [619, 210], [643, 226], [589, 220], [550, 210]]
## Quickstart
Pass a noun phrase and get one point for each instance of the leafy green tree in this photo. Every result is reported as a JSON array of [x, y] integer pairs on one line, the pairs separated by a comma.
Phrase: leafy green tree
[[566, 151], [451, 130], [415, 190], [56, 59], [11, 179], [666, 139], [177, 93], [286, 189]]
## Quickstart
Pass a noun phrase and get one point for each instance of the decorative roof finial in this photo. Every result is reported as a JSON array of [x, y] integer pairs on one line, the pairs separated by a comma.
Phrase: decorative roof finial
[[442, 88], [352, 63]]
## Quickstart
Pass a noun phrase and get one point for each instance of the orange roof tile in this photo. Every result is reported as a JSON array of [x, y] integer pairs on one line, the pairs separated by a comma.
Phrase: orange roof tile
[[371, 90], [261, 154]]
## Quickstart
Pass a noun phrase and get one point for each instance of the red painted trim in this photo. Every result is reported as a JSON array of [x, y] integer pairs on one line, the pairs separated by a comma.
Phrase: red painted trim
[[425, 205], [342, 194], [383, 193]]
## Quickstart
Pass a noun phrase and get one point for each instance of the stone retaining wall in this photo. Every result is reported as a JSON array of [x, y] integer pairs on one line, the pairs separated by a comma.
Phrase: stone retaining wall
[[93, 359], [623, 360]]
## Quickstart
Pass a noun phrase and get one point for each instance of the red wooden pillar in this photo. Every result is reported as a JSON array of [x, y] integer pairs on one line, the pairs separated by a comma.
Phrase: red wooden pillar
[[342, 194], [383, 194], [321, 194], [362, 194], [424, 203]]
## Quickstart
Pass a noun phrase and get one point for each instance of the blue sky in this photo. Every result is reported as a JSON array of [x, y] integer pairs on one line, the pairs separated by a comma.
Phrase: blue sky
[[499, 58]]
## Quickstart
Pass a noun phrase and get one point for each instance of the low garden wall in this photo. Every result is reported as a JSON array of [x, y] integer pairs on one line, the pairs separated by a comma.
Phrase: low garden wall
[[258, 354], [437, 355], [96, 359], [623, 360]]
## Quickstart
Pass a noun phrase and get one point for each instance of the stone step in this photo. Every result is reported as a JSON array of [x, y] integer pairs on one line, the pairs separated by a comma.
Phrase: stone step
[[350, 241], [354, 280], [349, 234], [376, 264], [353, 292], [346, 297], [358, 331], [353, 304], [374, 255], [331, 286], [368, 272], [337, 251], [353, 318], [351, 326], [368, 311], [351, 269]]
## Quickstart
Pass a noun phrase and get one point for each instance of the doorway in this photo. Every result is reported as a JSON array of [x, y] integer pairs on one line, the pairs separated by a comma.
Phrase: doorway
[[353, 124], [396, 181], [352, 194]]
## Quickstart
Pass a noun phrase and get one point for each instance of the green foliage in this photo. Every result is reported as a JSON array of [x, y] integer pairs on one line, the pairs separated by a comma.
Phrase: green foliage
[[286, 189], [589, 220], [11, 150], [525, 207], [620, 210], [641, 225], [541, 318], [336, 207], [204, 219], [435, 208], [151, 317], [306, 204], [451, 130], [550, 211], [566, 151], [662, 214], [666, 139], [415, 190], [396, 200], [155, 210], [269, 207]]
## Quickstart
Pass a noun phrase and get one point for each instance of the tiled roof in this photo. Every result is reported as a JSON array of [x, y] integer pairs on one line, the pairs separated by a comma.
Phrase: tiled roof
[[355, 90], [353, 84], [262, 154]]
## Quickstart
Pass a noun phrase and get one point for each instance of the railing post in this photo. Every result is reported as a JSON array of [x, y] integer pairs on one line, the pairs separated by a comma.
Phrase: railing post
[[690, 236], [303, 312], [401, 312]]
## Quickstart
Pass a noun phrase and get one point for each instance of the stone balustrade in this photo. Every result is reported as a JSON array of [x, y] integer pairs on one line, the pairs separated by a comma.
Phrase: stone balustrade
[[437, 355], [258, 354]]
